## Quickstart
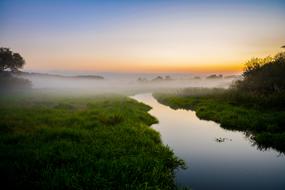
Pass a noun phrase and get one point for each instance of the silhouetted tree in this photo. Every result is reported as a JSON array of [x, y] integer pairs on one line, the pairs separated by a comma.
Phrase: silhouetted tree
[[9, 64], [10, 61], [264, 75]]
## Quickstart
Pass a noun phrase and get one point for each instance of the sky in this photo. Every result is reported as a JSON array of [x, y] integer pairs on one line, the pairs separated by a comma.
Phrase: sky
[[141, 36]]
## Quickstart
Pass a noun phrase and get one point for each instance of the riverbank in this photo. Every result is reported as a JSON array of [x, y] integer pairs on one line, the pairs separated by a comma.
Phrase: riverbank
[[195, 141], [234, 111], [94, 142]]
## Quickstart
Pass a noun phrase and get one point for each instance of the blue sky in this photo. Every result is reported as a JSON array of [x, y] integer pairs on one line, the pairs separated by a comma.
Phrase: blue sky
[[147, 35]]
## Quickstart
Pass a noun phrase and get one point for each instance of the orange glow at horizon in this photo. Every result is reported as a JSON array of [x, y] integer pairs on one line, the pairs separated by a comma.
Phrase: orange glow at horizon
[[147, 66]]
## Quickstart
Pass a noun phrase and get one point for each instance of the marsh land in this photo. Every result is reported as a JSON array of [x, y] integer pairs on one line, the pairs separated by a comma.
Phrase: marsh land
[[93, 142]]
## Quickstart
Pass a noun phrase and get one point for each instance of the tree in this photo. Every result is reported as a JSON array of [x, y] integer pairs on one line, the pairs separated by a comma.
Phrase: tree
[[255, 64], [264, 76], [9, 64], [10, 61]]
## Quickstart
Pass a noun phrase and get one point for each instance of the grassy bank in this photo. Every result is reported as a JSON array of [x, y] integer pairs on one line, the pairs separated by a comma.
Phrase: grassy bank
[[263, 117], [100, 142]]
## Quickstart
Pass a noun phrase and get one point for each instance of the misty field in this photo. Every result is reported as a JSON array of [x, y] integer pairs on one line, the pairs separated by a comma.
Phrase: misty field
[[94, 142]]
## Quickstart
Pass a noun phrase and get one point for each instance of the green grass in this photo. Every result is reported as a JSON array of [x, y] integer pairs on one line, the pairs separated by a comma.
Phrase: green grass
[[234, 111], [100, 142]]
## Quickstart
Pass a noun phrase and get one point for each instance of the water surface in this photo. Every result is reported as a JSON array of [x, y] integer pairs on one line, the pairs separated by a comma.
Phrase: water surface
[[233, 163]]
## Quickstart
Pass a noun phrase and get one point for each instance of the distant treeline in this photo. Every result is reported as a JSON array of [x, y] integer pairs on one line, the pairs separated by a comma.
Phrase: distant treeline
[[20, 73], [169, 78]]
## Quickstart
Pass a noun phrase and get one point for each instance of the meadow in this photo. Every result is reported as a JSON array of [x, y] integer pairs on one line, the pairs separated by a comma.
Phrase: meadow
[[81, 142], [260, 116]]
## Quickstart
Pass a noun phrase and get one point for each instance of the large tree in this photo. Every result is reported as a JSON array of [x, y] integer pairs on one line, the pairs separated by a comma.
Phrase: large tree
[[10, 60]]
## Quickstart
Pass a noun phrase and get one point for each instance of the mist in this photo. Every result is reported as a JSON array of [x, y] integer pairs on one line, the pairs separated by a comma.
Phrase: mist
[[125, 83]]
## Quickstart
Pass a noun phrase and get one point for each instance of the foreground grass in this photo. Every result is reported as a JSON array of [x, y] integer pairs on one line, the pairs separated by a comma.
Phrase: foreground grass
[[235, 111], [101, 142]]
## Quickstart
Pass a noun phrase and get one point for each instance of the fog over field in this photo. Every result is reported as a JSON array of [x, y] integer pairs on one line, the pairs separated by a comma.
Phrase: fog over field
[[126, 82]]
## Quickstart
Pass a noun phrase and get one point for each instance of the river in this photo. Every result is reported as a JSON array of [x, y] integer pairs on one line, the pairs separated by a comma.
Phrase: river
[[216, 158]]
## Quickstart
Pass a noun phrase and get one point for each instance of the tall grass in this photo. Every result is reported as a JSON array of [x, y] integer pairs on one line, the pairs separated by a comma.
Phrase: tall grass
[[101, 142]]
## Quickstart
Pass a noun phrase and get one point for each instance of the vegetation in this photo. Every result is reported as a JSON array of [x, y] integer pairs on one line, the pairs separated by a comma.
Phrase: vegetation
[[101, 142], [156, 79], [264, 76], [46, 75], [10, 63], [10, 60], [255, 104]]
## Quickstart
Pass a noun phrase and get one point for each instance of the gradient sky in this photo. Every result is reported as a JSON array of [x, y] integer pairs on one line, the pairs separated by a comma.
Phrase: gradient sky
[[141, 36]]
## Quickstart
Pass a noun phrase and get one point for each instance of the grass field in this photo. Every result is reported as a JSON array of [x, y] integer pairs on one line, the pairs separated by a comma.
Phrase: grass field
[[235, 111], [99, 142]]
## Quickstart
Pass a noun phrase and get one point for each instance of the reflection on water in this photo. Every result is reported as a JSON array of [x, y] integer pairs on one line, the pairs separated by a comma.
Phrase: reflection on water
[[216, 158]]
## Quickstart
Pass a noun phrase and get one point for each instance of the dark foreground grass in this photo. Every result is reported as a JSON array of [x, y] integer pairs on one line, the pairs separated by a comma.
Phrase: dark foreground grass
[[235, 111], [101, 142]]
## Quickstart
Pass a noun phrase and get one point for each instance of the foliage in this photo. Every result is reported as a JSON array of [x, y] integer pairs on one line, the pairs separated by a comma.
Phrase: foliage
[[263, 76], [99, 142], [10, 63], [10, 60]]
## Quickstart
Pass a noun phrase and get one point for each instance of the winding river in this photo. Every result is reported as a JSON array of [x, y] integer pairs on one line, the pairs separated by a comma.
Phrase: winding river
[[216, 158]]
